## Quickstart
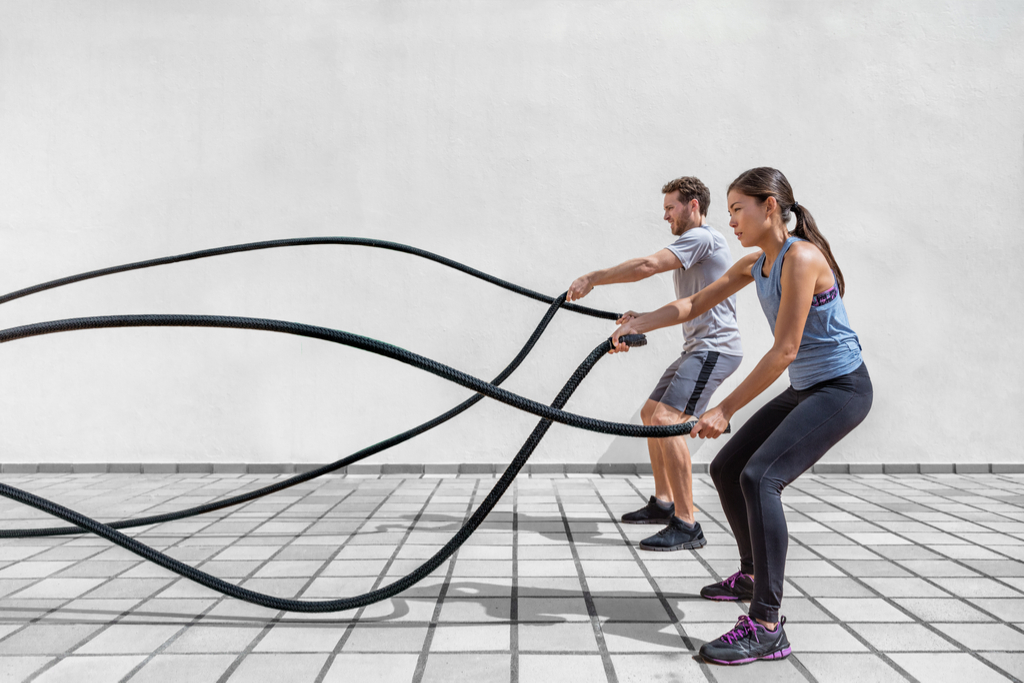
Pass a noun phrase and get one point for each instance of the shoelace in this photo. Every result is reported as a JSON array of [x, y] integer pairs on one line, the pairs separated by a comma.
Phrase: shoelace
[[731, 581], [744, 626]]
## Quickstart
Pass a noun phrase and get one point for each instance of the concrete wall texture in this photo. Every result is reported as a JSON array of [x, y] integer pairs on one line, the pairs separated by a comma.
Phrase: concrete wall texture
[[527, 139]]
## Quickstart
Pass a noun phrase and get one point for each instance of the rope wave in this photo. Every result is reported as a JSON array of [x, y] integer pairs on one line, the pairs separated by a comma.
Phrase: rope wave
[[548, 415]]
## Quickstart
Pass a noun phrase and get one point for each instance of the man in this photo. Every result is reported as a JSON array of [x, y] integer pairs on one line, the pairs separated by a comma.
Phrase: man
[[711, 352]]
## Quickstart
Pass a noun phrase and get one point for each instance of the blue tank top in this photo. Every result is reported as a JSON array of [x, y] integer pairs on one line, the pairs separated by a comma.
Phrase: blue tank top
[[828, 348]]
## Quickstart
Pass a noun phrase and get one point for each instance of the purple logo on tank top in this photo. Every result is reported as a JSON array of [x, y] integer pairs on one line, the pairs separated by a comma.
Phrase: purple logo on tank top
[[825, 297]]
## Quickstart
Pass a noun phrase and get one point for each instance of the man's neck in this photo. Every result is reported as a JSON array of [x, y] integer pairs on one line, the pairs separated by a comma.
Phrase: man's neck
[[699, 222]]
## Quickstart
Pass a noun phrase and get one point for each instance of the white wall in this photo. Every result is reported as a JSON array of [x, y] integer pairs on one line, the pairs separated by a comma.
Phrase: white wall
[[527, 139]]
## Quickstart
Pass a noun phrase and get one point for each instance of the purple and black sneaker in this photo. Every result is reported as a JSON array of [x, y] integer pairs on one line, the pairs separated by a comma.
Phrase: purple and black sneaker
[[748, 642], [739, 586]]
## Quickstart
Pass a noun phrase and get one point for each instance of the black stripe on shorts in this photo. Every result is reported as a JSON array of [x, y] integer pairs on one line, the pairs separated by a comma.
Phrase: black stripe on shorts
[[702, 380]]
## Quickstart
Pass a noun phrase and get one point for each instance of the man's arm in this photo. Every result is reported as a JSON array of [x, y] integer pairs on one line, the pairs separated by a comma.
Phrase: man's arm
[[632, 270]]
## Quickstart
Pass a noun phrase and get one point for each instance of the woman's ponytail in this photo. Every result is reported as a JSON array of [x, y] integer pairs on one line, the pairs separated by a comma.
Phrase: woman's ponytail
[[807, 229]]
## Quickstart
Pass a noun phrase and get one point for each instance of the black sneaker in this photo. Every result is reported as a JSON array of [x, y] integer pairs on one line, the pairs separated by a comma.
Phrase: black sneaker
[[748, 642], [676, 536], [739, 586], [650, 514]]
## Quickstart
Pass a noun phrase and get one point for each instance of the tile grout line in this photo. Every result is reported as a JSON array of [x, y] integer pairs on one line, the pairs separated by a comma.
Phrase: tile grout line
[[340, 645], [222, 599], [513, 613], [891, 602], [814, 601], [595, 622], [428, 638], [70, 651], [350, 627], [65, 543], [273, 621], [953, 560], [676, 622]]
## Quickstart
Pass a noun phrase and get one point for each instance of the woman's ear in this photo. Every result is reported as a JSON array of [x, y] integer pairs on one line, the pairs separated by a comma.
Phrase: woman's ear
[[771, 205]]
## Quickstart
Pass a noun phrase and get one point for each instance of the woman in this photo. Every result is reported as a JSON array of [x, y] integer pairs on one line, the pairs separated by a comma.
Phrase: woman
[[800, 288]]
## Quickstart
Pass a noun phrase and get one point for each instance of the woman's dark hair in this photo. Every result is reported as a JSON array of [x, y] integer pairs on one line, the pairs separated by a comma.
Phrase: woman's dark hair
[[764, 182]]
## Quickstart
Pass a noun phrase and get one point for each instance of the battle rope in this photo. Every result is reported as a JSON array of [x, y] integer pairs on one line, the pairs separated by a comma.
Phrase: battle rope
[[383, 593], [338, 464], [354, 341], [314, 473], [298, 242], [548, 414]]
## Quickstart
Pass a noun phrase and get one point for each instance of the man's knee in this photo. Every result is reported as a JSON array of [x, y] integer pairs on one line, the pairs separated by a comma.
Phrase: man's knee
[[648, 411], [664, 415]]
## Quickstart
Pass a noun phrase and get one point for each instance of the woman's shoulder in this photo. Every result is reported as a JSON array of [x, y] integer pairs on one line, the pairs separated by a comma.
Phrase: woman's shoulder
[[804, 253]]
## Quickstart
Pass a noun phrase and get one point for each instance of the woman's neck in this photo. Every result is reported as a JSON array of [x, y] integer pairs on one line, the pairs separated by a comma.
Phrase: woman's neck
[[772, 244]]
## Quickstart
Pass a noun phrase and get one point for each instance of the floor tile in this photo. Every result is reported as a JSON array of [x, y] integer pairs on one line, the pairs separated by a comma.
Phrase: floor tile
[[273, 668], [193, 668], [347, 667], [562, 668], [947, 668], [128, 639], [977, 637], [473, 637], [564, 637], [903, 638], [879, 553], [76, 669], [837, 668]]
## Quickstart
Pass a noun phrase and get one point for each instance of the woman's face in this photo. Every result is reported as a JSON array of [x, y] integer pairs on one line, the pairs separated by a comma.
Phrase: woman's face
[[748, 218]]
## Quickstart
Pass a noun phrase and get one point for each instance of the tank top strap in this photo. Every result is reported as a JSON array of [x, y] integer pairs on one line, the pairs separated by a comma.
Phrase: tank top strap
[[776, 272]]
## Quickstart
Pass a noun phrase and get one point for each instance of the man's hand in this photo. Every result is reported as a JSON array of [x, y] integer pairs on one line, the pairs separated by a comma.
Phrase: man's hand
[[579, 288]]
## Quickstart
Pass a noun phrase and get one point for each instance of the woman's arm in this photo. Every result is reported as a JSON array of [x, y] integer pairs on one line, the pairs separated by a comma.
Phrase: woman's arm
[[800, 271], [681, 310]]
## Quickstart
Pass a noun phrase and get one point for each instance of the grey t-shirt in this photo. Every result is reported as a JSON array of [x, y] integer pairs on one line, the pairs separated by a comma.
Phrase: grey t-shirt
[[705, 257]]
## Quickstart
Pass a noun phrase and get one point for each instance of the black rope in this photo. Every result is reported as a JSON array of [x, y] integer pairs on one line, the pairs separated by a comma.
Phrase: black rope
[[549, 414], [314, 473], [300, 242], [383, 593], [354, 341], [556, 303]]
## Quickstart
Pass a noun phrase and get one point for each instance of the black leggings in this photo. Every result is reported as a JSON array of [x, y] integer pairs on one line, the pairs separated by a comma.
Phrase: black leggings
[[775, 446]]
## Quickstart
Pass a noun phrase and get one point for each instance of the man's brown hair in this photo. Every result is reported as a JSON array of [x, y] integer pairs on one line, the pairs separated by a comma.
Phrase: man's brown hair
[[689, 188]]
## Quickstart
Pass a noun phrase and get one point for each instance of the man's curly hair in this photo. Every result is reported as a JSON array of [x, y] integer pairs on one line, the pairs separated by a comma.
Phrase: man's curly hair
[[689, 188]]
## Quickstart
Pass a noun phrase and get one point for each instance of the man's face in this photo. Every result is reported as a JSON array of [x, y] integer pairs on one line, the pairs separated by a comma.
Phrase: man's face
[[677, 213]]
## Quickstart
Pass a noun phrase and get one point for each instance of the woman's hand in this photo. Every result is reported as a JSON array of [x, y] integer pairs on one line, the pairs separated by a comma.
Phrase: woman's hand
[[627, 316], [711, 424], [630, 326]]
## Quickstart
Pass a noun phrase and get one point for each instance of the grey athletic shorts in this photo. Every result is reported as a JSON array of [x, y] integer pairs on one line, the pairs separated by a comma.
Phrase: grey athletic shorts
[[688, 383]]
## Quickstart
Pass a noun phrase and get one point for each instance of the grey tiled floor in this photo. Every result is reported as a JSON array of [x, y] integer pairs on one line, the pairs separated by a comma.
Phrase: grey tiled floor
[[889, 578]]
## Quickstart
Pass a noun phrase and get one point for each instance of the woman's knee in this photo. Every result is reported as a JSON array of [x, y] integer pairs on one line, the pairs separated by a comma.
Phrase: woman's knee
[[721, 473], [751, 482]]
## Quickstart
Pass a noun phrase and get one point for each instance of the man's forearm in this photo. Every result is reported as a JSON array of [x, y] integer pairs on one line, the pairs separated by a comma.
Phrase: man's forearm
[[632, 270]]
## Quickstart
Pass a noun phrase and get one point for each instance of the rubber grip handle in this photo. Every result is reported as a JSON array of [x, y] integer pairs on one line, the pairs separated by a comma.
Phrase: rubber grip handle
[[630, 340]]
